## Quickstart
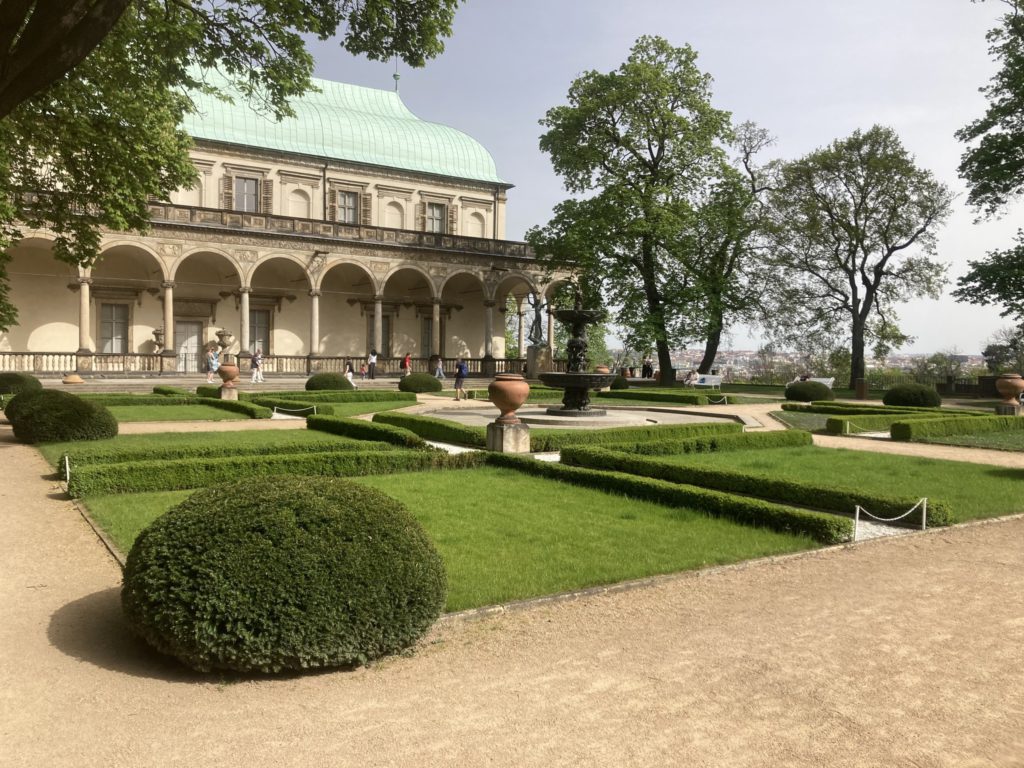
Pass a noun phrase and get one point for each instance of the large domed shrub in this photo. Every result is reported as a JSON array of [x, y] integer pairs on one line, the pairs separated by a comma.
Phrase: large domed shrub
[[419, 382], [54, 416], [13, 406], [915, 395], [328, 381], [620, 382], [808, 391], [15, 383], [308, 572]]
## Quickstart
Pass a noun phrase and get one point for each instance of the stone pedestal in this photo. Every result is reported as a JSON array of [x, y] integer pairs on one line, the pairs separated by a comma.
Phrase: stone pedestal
[[168, 361], [83, 360], [1006, 409], [538, 360], [228, 393], [508, 438]]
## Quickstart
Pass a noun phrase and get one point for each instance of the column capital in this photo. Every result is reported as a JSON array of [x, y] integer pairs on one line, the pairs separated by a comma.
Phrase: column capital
[[168, 284], [490, 303], [85, 281], [245, 289], [379, 298], [315, 293], [436, 301]]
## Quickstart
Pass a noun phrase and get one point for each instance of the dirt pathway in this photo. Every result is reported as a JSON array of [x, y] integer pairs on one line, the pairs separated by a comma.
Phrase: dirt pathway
[[907, 652]]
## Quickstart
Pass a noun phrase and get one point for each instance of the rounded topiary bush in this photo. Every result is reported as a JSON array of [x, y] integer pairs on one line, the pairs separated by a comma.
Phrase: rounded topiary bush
[[13, 406], [309, 572], [328, 381], [54, 416], [619, 382], [15, 383], [419, 382], [808, 391], [915, 395]]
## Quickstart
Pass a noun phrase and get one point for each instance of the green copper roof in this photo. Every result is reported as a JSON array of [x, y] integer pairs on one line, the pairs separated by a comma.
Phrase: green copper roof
[[345, 122]]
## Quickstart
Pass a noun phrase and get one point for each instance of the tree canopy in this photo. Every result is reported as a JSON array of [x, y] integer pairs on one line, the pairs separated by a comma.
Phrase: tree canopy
[[853, 227], [84, 149], [637, 143]]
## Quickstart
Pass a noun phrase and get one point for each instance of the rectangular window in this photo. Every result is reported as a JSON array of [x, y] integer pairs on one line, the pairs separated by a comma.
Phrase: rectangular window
[[348, 207], [385, 335], [436, 214], [247, 194], [114, 328], [259, 330], [426, 337]]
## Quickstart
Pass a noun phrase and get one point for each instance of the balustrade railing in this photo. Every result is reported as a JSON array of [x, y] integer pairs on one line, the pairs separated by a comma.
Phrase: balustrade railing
[[38, 362]]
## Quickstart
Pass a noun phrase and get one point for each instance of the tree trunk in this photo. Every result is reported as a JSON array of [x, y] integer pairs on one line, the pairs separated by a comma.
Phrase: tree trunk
[[711, 343], [655, 308], [856, 351]]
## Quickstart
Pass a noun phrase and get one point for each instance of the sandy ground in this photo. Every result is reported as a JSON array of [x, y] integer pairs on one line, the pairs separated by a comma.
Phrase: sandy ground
[[906, 652]]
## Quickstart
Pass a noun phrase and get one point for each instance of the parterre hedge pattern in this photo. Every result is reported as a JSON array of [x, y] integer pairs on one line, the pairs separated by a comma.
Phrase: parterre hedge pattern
[[358, 429], [844, 425], [825, 496], [790, 438], [306, 574], [919, 395], [52, 416], [182, 474], [921, 428], [328, 381], [822, 527]]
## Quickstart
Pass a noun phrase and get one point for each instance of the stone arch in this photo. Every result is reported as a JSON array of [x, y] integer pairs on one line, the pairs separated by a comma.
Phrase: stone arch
[[127, 298], [206, 299], [204, 249], [347, 291], [463, 299], [476, 225], [300, 262], [47, 297], [280, 306], [408, 307], [394, 215], [515, 297]]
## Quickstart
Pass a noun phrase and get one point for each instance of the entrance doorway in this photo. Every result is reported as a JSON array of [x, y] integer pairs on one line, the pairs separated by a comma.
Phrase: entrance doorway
[[188, 334]]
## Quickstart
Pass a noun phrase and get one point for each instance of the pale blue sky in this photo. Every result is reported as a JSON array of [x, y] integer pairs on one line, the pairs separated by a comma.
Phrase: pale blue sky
[[810, 71]]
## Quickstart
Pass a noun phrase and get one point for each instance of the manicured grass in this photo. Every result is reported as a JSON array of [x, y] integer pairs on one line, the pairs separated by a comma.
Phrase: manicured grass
[[997, 441], [505, 535], [142, 443], [972, 491], [812, 422], [126, 413], [355, 409]]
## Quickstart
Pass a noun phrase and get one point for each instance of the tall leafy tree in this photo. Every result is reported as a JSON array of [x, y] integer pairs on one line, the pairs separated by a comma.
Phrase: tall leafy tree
[[993, 167], [83, 149], [634, 142], [854, 225]]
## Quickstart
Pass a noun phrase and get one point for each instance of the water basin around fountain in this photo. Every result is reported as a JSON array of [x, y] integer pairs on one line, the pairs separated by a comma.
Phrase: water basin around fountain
[[577, 387]]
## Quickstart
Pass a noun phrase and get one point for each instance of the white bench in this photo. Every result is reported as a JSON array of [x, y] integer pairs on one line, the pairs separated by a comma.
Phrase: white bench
[[827, 382], [715, 382]]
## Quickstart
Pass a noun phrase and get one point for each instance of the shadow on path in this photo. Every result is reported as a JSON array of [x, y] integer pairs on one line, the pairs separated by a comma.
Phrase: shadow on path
[[93, 629]]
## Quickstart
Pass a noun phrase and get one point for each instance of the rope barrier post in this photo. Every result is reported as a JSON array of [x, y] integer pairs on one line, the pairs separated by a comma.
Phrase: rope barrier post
[[924, 514], [856, 520], [67, 470]]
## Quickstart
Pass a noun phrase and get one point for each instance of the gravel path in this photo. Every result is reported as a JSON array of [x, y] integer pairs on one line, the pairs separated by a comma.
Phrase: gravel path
[[906, 652]]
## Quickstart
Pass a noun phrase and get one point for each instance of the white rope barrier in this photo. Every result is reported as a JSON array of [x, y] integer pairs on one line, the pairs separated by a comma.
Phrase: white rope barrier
[[67, 471], [296, 410], [922, 503], [723, 401]]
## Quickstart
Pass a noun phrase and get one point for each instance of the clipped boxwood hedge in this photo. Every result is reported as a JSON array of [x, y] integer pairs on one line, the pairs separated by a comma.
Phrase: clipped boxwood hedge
[[294, 407], [827, 496], [846, 425], [620, 382], [746, 441], [15, 383], [675, 398], [52, 416], [358, 429], [88, 454], [334, 381], [163, 389], [182, 474], [251, 410], [918, 395], [419, 382], [919, 429], [822, 527], [305, 574], [806, 391], [431, 428], [13, 406], [118, 399], [360, 396]]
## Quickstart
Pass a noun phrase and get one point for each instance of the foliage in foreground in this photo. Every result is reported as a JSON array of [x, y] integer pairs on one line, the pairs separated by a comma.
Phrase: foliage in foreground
[[306, 574], [939, 427], [52, 415], [808, 391], [419, 382], [913, 395]]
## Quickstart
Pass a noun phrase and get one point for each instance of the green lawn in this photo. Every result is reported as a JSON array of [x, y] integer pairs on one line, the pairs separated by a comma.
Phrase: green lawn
[[999, 441], [126, 413], [507, 536], [812, 422], [355, 409], [972, 490]]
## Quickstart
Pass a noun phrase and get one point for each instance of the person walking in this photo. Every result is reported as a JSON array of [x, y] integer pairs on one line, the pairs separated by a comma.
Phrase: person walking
[[438, 365], [212, 363], [257, 367], [350, 374], [461, 372], [371, 364], [406, 364]]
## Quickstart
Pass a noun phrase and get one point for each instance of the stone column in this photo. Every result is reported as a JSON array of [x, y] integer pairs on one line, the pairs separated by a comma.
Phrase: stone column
[[314, 323], [243, 334], [489, 328], [84, 317], [551, 331], [168, 318], [378, 322], [435, 329], [522, 330]]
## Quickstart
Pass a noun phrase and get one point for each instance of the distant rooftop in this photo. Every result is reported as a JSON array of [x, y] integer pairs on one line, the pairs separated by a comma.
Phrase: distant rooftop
[[345, 122]]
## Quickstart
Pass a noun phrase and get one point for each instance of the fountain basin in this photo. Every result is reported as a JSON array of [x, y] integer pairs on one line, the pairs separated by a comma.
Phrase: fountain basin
[[577, 386]]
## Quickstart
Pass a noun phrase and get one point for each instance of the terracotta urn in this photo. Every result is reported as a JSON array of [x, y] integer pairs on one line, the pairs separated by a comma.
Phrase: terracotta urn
[[1010, 385], [602, 369], [228, 374], [508, 391]]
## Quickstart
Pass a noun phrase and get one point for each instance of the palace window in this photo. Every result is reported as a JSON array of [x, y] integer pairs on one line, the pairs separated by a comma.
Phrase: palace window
[[348, 207], [114, 328], [259, 330], [247, 194], [436, 213]]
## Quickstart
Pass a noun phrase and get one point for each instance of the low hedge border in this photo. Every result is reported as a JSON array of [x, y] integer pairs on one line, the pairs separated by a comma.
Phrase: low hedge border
[[850, 409], [654, 397], [746, 441], [848, 425], [822, 527], [295, 407], [340, 397], [359, 429], [827, 497], [251, 410], [182, 474], [918, 429], [546, 440], [163, 389], [89, 455], [109, 399]]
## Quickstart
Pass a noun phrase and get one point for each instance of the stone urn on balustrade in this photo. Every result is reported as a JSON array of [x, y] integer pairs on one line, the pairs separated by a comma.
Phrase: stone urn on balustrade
[[508, 392], [228, 373], [1010, 385]]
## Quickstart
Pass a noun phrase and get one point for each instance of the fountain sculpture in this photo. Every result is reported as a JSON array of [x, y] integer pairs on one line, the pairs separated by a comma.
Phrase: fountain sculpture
[[577, 381]]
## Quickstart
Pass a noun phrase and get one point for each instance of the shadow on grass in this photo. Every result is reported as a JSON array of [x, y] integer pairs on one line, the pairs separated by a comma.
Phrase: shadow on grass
[[93, 629], [1009, 473]]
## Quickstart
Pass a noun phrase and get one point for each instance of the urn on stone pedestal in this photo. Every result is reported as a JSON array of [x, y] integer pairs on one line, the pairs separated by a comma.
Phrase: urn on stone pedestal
[[1010, 385], [508, 392]]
